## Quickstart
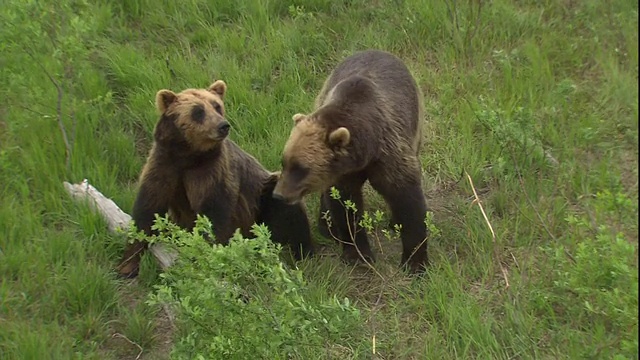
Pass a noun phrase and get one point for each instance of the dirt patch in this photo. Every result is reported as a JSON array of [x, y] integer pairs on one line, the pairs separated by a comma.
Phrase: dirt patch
[[120, 346], [164, 336], [629, 171]]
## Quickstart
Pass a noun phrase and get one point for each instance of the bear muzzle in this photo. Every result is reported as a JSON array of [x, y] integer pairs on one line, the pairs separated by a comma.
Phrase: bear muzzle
[[277, 196], [280, 193], [223, 128]]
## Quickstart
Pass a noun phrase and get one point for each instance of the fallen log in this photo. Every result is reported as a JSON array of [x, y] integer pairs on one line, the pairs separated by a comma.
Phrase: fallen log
[[116, 218]]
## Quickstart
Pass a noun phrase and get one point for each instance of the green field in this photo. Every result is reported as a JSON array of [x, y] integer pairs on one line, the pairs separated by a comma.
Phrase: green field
[[537, 101]]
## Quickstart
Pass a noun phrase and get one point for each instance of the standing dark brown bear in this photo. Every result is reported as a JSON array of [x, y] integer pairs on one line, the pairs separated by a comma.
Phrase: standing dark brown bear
[[193, 168], [366, 126]]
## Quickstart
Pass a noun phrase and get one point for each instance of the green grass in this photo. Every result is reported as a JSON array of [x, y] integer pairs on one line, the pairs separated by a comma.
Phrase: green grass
[[503, 86]]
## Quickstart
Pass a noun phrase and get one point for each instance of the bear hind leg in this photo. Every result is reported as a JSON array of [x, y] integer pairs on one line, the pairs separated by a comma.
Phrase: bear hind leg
[[408, 208]]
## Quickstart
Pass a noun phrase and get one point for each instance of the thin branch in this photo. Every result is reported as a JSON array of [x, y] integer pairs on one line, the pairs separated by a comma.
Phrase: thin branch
[[493, 234], [74, 127], [171, 71], [31, 110], [353, 243], [416, 249], [477, 200], [58, 108], [130, 342], [377, 237], [471, 34]]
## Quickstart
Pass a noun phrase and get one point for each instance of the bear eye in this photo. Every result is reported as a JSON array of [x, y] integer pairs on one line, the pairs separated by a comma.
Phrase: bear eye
[[216, 107], [197, 113], [298, 172]]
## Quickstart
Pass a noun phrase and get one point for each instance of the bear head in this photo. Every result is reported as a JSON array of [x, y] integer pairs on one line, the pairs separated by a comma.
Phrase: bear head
[[193, 118], [312, 156]]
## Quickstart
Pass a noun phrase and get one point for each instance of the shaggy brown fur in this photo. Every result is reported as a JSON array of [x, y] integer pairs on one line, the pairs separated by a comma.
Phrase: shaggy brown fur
[[366, 126], [193, 168]]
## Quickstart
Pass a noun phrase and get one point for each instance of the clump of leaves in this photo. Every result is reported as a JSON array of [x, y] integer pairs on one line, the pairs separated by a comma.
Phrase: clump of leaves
[[596, 267], [240, 301]]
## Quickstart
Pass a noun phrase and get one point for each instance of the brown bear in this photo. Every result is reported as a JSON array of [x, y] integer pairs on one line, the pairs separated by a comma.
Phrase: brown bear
[[366, 126], [194, 168]]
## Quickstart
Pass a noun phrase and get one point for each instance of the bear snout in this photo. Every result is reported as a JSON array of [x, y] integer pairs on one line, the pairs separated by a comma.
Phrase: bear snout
[[223, 128], [281, 193]]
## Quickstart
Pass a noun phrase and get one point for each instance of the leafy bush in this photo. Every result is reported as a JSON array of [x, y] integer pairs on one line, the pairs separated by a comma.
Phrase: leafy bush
[[596, 267], [239, 301]]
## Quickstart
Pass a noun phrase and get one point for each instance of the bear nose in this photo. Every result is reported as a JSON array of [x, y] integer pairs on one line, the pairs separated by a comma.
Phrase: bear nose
[[223, 128]]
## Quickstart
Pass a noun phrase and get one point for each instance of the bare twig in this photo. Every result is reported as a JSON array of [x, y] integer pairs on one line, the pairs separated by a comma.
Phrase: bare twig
[[453, 12], [31, 110], [58, 107], [477, 200], [171, 71], [130, 342], [353, 243], [471, 34], [379, 244], [514, 260], [74, 124], [493, 234], [416, 249]]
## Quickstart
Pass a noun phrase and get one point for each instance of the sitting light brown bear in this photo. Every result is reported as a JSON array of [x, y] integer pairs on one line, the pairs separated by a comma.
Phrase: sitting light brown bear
[[194, 168]]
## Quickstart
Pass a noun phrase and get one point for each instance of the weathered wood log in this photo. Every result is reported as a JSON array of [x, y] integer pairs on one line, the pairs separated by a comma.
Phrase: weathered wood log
[[115, 217]]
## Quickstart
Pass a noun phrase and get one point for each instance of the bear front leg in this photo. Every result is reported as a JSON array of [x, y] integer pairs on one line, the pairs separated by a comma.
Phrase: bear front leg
[[288, 224], [221, 227], [148, 203], [220, 217], [345, 223], [408, 208]]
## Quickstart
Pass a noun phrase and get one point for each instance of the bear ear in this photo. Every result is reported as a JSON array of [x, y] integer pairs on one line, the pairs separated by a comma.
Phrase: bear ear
[[339, 137], [219, 88], [270, 183], [297, 118], [164, 98]]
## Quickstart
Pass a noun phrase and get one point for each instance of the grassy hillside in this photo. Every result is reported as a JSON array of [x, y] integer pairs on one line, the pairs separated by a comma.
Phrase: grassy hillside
[[537, 101]]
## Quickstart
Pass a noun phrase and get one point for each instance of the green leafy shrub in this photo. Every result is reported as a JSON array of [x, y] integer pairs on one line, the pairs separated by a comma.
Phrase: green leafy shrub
[[596, 267], [240, 301]]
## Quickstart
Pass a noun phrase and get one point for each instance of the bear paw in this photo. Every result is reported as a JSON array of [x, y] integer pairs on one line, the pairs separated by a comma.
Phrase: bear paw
[[415, 266], [351, 256]]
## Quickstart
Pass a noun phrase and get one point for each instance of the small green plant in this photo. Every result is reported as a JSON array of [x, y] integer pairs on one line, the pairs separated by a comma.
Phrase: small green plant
[[595, 267], [372, 223], [239, 301], [514, 130], [298, 12]]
